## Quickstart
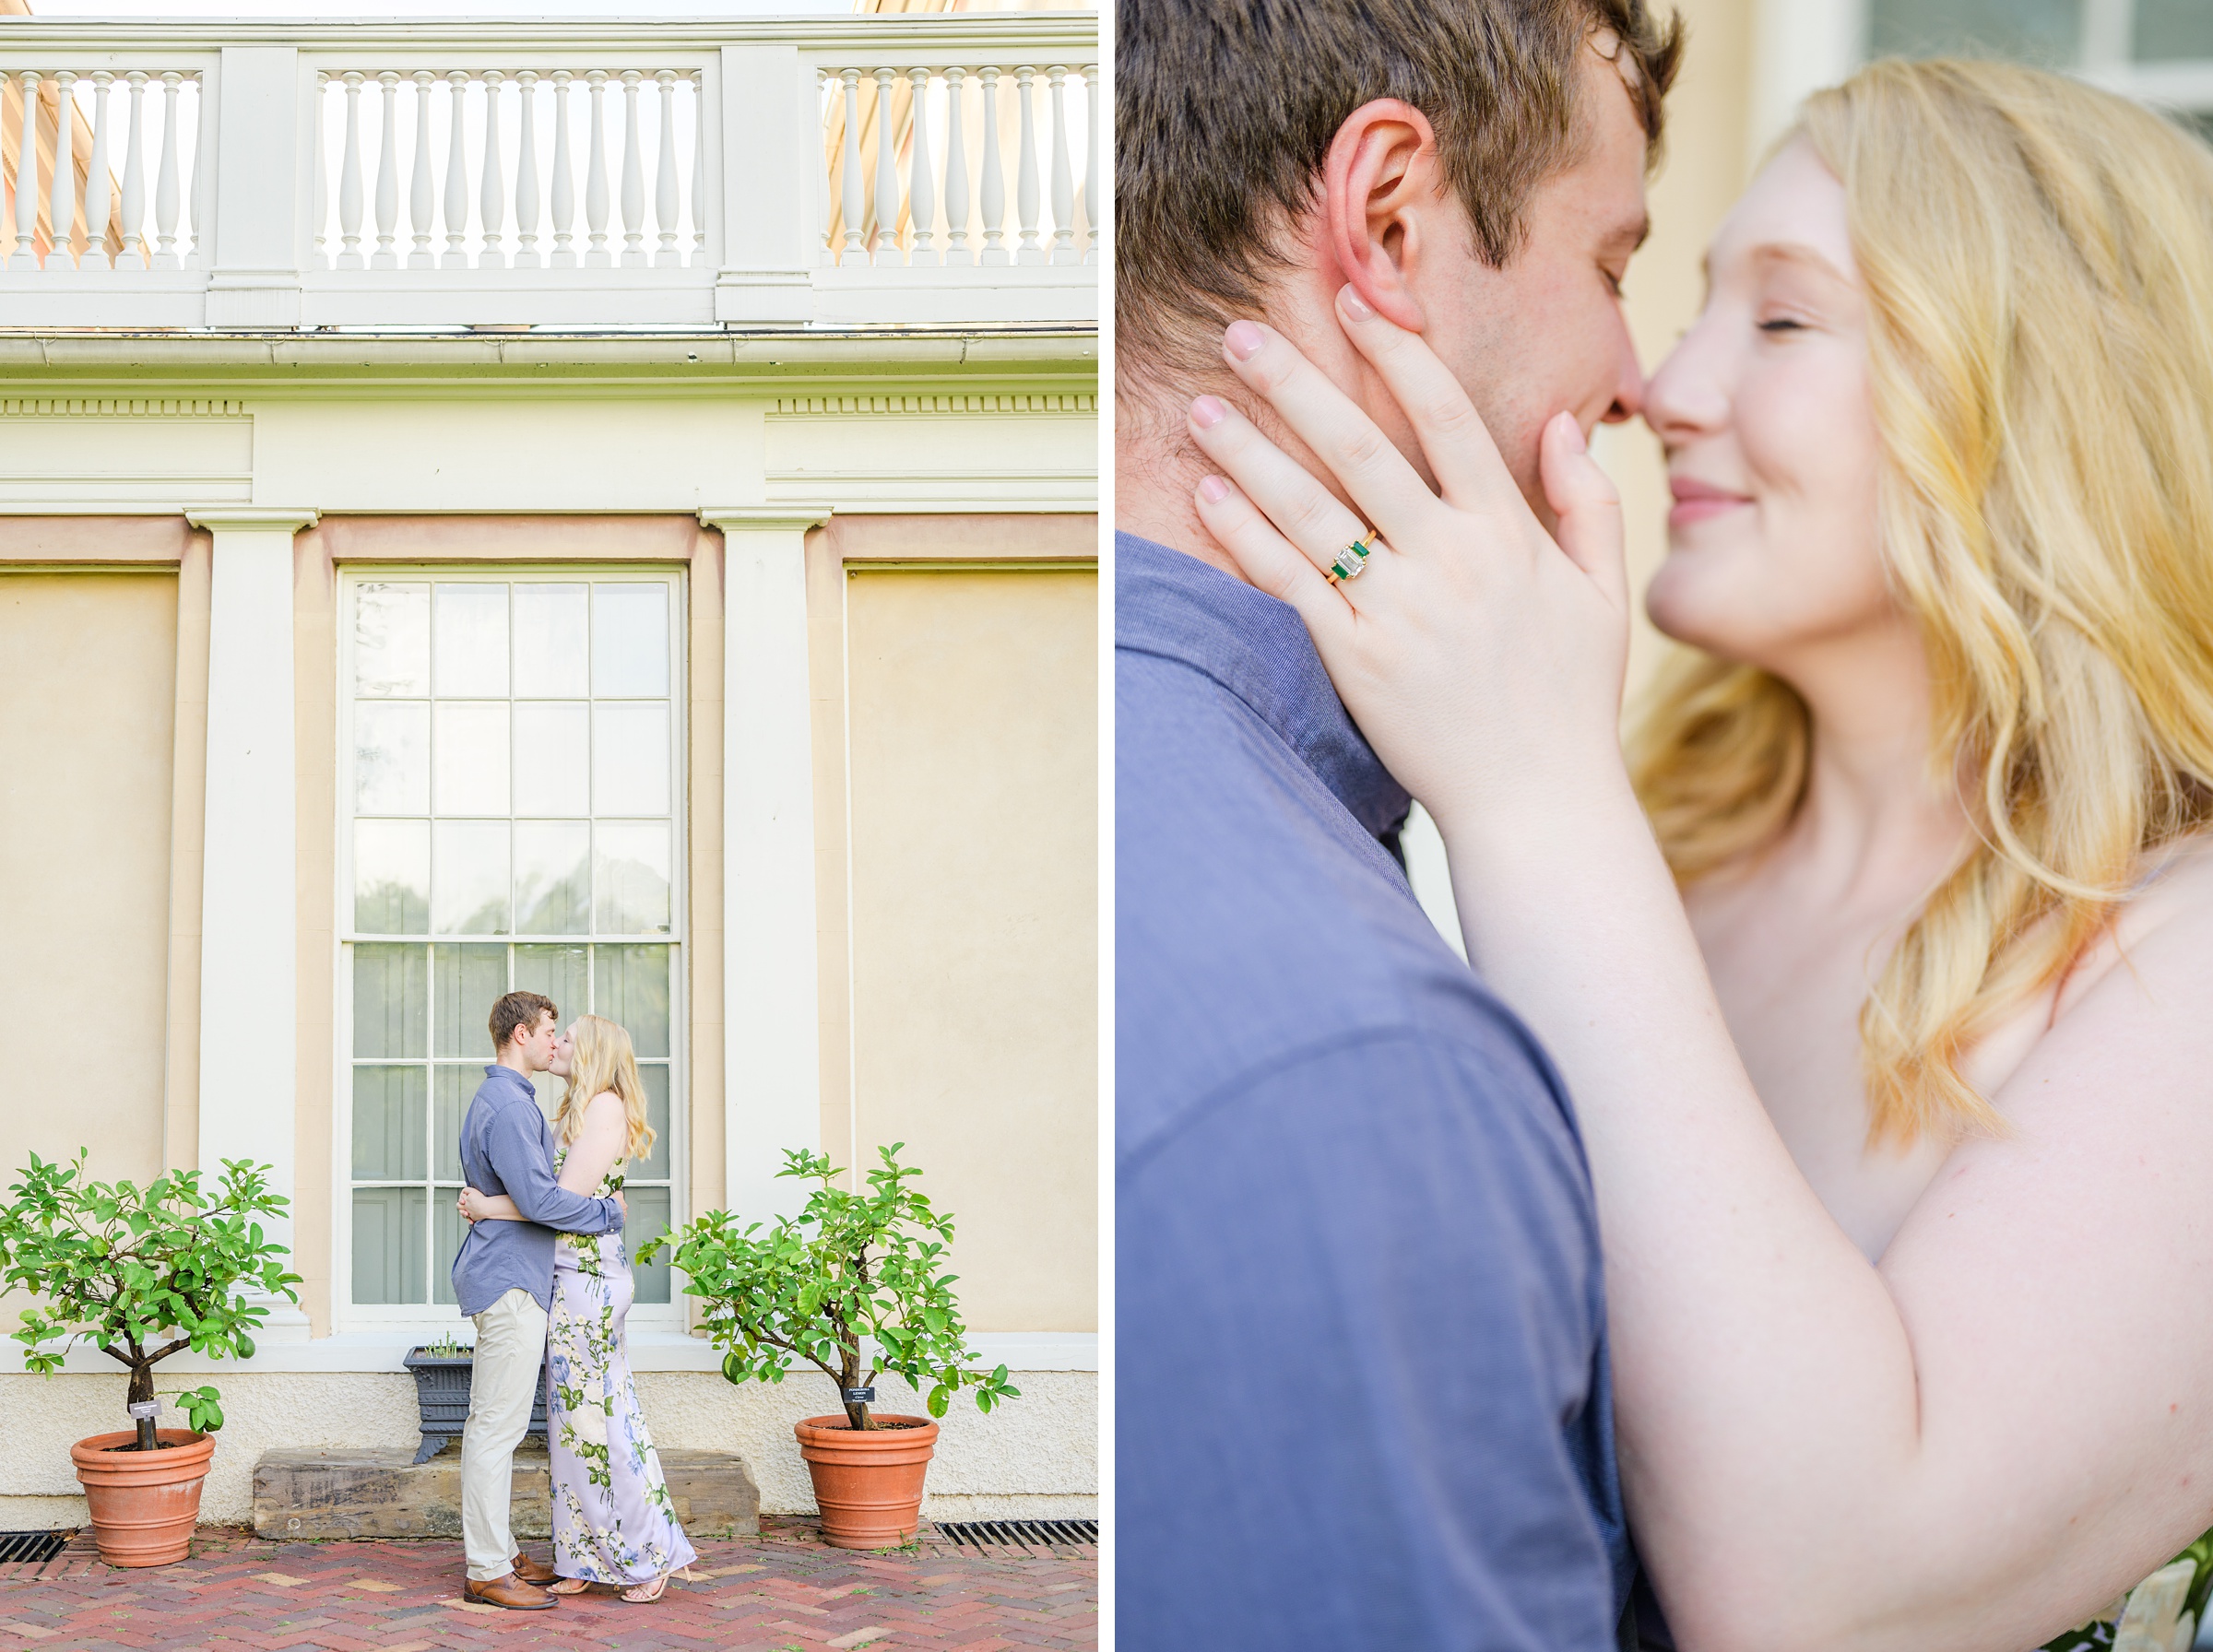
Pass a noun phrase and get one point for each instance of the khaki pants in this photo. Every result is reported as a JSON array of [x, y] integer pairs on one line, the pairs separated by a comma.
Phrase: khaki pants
[[511, 1349]]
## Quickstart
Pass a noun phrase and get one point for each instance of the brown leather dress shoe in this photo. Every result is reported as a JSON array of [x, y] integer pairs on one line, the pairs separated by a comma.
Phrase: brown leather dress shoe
[[533, 1570], [510, 1592]]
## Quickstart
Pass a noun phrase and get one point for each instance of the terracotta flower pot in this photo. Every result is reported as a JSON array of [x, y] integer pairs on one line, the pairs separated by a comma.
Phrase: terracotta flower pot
[[868, 1483], [144, 1502]]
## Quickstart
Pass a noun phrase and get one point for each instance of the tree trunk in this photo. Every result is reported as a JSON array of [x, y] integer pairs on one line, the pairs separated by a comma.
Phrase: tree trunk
[[857, 1414], [142, 1390]]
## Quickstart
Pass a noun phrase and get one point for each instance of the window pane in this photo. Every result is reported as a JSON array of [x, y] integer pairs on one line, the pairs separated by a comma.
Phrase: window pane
[[471, 759], [2040, 31], [392, 876], [449, 1226], [466, 981], [471, 641], [630, 759], [633, 879], [388, 1244], [552, 759], [630, 639], [631, 985], [2168, 28], [468, 887], [451, 1089], [552, 877], [561, 973], [391, 757], [550, 640], [654, 1165], [646, 1217], [391, 1000], [392, 641], [388, 1144]]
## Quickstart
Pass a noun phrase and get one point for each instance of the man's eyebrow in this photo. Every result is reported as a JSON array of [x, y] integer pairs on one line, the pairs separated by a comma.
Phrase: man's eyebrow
[[1627, 235]]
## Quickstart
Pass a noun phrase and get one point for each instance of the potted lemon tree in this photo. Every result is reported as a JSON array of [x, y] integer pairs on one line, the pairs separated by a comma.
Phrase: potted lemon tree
[[856, 1286], [142, 1273]]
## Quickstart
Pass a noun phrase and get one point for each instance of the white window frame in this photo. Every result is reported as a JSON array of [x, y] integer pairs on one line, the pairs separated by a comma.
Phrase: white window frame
[[424, 1321]]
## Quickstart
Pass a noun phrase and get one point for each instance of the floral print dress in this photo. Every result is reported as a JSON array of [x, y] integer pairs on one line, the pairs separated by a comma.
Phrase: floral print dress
[[613, 1521]]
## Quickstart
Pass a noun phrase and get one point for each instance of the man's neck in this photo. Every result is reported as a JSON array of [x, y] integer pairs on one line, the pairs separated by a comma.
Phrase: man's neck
[[512, 1059], [1156, 474]]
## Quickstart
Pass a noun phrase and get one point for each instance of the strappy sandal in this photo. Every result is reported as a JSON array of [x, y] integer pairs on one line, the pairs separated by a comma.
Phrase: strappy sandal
[[645, 1594], [569, 1586]]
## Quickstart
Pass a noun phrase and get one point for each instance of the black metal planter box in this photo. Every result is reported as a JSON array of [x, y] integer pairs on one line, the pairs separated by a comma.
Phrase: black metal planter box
[[442, 1391]]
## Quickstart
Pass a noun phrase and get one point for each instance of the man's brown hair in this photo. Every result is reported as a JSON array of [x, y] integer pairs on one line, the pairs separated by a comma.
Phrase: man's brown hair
[[518, 1010], [1224, 111]]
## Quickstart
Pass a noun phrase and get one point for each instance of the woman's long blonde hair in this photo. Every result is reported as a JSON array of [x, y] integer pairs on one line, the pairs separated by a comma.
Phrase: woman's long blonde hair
[[604, 1060], [2038, 259]]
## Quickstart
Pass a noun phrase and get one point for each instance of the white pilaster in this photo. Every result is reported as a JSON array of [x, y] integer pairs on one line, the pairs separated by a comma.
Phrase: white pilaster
[[249, 993], [770, 1065]]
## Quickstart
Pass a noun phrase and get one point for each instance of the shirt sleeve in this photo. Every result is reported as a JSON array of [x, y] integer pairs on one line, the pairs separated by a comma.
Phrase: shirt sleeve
[[520, 1162], [1358, 1329]]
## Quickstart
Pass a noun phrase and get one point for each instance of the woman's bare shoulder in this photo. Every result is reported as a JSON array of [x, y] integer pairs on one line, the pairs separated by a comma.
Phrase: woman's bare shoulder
[[2173, 913]]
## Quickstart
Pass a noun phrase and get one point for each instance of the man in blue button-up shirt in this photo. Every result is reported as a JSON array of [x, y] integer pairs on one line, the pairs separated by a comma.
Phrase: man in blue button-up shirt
[[504, 1280]]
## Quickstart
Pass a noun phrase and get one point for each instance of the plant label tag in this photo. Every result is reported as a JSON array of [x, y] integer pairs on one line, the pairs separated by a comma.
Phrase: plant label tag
[[144, 1407], [859, 1396]]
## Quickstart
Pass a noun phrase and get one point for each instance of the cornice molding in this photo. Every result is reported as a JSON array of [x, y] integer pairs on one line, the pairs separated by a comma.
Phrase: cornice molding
[[760, 519]]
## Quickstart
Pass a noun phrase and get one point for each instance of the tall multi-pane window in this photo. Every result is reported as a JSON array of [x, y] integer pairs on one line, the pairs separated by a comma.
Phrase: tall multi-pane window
[[513, 797]]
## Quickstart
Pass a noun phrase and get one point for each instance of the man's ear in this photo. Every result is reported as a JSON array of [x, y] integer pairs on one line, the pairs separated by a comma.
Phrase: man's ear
[[1381, 191]]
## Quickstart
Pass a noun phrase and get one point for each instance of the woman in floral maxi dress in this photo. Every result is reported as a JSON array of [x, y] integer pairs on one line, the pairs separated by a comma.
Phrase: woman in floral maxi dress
[[613, 1521]]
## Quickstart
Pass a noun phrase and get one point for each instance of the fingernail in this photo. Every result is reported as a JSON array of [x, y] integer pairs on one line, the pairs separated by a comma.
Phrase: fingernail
[[1244, 340], [1354, 309], [1209, 411], [1213, 490]]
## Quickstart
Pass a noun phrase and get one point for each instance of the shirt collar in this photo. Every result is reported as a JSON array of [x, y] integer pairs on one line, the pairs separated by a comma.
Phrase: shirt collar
[[1258, 648], [496, 1072]]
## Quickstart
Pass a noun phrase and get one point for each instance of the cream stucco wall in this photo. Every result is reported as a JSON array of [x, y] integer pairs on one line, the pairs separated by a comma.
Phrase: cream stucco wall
[[974, 765], [88, 682]]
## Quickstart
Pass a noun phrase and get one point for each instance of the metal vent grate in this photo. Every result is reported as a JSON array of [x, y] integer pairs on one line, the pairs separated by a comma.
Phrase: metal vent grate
[[31, 1546], [985, 1536]]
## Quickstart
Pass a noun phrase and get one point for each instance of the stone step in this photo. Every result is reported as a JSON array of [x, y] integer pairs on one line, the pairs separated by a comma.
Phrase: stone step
[[319, 1496]]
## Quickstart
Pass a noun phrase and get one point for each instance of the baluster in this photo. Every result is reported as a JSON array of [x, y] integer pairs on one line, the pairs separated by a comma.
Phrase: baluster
[[1026, 196], [98, 180], [825, 255], [850, 203], [699, 168], [134, 181], [1091, 164], [26, 176], [633, 176], [419, 185], [200, 201], [525, 177], [165, 180], [887, 174], [1064, 183], [318, 216], [564, 180], [492, 199], [995, 179], [61, 200], [387, 175], [349, 178], [595, 183], [665, 192], [956, 175], [921, 203], [456, 175]]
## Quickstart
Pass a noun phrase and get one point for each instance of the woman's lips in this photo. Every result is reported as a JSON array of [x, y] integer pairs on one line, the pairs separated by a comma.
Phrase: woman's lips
[[1699, 501]]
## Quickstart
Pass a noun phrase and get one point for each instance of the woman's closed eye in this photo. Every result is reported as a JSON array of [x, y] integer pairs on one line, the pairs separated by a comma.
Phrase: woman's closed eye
[[1777, 325]]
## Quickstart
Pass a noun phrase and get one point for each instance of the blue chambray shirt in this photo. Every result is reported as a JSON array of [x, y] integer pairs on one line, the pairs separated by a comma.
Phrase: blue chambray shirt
[[1362, 1390], [507, 1147]]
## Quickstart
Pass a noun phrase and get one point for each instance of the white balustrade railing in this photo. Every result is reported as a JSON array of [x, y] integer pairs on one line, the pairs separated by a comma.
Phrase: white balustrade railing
[[964, 129], [906, 169], [136, 207]]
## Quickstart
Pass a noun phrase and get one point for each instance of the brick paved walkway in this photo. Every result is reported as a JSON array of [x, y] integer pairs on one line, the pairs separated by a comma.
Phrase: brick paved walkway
[[785, 1591]]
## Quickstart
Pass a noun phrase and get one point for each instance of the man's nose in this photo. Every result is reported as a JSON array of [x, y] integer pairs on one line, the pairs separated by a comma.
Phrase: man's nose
[[1628, 387]]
